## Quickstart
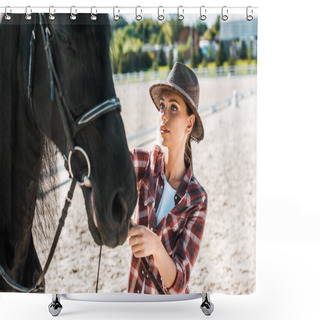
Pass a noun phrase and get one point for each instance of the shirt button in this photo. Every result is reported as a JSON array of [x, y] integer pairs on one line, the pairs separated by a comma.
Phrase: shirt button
[[147, 276], [138, 291], [151, 229], [142, 272], [145, 203], [175, 228], [161, 187]]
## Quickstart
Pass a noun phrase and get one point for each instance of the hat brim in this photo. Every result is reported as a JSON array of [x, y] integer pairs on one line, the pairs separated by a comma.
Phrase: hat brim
[[156, 91]]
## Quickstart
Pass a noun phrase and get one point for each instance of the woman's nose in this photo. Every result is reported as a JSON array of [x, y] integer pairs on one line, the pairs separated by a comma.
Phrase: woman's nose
[[164, 114]]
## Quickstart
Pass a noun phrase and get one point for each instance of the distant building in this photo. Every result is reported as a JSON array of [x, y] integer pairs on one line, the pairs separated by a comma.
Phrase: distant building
[[234, 32]]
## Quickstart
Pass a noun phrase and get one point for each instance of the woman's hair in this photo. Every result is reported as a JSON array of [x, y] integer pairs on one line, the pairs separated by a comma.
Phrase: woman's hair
[[188, 149]]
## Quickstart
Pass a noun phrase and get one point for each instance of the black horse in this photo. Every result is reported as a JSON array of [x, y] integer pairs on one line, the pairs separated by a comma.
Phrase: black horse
[[56, 82]]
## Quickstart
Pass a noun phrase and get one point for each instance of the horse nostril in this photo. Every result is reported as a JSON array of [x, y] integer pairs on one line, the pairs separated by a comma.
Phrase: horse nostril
[[119, 207]]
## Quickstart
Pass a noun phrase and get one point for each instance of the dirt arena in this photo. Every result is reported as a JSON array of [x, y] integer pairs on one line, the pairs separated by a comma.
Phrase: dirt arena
[[225, 165]]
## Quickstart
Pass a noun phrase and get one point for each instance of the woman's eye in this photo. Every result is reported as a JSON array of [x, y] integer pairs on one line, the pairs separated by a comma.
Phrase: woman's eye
[[161, 106], [174, 107]]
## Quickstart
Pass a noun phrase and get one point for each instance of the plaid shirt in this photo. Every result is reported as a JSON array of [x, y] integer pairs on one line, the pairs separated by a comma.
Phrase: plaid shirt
[[180, 231]]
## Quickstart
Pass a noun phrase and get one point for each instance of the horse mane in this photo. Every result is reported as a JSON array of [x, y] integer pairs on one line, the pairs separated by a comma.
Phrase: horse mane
[[47, 208]]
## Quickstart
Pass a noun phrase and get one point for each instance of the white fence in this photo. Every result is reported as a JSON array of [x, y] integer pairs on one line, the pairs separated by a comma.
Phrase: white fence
[[223, 71]]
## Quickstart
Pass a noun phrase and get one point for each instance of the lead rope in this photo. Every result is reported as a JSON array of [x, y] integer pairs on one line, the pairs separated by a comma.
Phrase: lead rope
[[151, 275], [57, 235], [37, 286], [98, 273]]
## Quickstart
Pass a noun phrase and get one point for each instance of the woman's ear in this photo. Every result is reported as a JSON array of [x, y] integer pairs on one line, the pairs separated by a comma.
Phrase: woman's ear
[[191, 119]]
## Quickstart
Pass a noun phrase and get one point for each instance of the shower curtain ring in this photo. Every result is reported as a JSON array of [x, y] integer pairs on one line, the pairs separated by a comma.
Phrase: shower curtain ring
[[116, 17], [160, 16], [52, 11], [249, 14], [203, 12], [73, 12], [93, 16], [224, 13], [28, 13], [138, 16], [180, 13], [7, 10]]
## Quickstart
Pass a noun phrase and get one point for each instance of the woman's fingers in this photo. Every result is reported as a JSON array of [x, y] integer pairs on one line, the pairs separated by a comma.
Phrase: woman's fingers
[[138, 251], [135, 231], [134, 240]]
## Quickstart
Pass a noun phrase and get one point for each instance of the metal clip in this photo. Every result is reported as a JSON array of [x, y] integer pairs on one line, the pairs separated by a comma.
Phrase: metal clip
[[73, 12], [28, 13], [203, 12], [86, 180], [224, 13], [7, 10], [180, 13], [249, 13], [116, 17], [160, 16], [52, 11], [138, 16], [93, 16]]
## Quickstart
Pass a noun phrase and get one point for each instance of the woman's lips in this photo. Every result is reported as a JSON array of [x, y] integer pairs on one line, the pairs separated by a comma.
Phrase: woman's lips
[[164, 130]]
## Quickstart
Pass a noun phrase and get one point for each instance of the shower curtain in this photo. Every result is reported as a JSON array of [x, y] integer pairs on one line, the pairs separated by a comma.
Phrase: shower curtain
[[222, 53]]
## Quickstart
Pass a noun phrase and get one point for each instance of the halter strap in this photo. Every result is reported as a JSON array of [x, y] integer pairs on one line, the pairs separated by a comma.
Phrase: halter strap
[[70, 126], [95, 113]]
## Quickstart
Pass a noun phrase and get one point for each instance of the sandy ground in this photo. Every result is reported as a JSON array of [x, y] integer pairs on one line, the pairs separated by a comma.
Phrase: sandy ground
[[224, 163]]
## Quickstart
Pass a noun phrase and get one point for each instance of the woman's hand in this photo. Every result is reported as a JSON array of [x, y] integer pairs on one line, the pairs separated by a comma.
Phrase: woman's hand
[[143, 241]]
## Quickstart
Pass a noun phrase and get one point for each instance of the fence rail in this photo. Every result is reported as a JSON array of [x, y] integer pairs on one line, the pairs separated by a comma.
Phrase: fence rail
[[200, 72]]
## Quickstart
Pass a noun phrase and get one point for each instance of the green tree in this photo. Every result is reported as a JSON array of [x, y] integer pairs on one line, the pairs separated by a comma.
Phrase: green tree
[[243, 50], [201, 27], [249, 54], [231, 61], [194, 60], [217, 25], [210, 34], [161, 58], [155, 65], [120, 24], [220, 56], [170, 62], [176, 26], [180, 54], [204, 62], [166, 29]]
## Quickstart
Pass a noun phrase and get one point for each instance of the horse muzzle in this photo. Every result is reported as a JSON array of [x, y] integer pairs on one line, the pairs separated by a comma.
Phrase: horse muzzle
[[109, 224]]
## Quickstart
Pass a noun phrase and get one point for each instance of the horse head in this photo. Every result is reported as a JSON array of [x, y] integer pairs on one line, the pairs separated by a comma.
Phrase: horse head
[[73, 102]]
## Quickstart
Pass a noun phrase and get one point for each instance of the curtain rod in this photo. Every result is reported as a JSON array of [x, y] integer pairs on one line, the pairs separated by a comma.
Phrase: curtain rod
[[129, 10]]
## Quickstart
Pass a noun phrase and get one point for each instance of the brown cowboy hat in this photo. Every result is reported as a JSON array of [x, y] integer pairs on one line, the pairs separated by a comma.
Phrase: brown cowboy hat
[[182, 81]]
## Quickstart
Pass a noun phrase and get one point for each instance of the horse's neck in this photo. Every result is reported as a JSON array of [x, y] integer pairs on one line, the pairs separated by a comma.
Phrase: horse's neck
[[20, 169], [20, 158]]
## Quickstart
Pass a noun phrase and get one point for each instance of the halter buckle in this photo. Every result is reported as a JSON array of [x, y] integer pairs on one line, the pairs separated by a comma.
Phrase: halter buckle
[[86, 180]]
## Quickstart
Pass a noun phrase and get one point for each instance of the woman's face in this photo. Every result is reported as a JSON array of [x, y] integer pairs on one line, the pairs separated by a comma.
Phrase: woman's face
[[174, 122]]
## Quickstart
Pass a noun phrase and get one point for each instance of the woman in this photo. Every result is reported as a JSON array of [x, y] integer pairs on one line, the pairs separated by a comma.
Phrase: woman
[[171, 203]]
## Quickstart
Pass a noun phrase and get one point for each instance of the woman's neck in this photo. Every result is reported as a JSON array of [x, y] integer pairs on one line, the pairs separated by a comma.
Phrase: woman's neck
[[175, 167]]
